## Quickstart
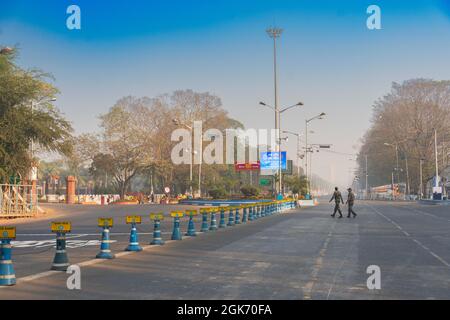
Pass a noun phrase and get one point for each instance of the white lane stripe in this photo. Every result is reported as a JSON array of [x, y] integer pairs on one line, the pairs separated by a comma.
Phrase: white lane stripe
[[420, 244], [429, 214]]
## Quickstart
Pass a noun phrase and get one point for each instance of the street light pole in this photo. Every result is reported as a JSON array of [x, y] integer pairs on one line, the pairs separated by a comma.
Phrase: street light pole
[[177, 122], [436, 158], [298, 149], [421, 178], [367, 180], [407, 175], [279, 112], [306, 157], [307, 121]]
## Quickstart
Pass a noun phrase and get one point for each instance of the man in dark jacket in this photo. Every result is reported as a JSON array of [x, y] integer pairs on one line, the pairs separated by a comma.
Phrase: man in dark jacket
[[350, 202], [337, 197]]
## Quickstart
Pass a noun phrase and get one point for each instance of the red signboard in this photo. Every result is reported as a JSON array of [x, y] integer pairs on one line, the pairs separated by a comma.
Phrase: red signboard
[[247, 166]]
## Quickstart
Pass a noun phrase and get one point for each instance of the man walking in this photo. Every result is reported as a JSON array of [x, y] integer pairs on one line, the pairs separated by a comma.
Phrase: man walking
[[337, 197], [350, 202]]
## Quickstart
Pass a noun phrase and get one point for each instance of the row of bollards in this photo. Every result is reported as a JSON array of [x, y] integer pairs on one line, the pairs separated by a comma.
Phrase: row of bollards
[[250, 212]]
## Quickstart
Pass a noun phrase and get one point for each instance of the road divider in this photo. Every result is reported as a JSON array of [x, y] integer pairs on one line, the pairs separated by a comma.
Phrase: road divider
[[191, 225], [157, 218], [244, 213], [134, 240], [213, 224], [61, 260], [204, 212], [230, 217], [176, 234], [250, 212], [105, 248], [7, 274], [222, 223]]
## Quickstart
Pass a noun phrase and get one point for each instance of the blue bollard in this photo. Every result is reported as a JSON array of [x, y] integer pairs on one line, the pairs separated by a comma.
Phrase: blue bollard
[[7, 274], [213, 224], [61, 261], [176, 233], [105, 249], [157, 239], [205, 227], [258, 211], [255, 212], [237, 217], [251, 217], [230, 217], [191, 225], [222, 223], [263, 210], [134, 241], [244, 214]]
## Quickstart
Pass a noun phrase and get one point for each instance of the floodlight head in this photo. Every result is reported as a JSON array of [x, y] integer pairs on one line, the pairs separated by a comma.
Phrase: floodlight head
[[274, 32]]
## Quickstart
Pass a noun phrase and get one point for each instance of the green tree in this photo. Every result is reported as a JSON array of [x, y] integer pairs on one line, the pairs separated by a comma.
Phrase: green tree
[[20, 123]]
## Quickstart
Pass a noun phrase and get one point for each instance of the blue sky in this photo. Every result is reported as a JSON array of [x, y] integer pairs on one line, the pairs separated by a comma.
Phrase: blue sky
[[327, 57]]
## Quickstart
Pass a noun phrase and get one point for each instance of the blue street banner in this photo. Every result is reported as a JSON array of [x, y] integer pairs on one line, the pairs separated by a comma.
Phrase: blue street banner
[[270, 160]]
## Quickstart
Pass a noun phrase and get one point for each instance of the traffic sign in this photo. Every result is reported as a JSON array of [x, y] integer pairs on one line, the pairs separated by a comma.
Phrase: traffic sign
[[247, 166], [264, 182], [177, 214], [157, 216], [134, 219], [105, 222], [7, 233], [61, 227], [191, 212]]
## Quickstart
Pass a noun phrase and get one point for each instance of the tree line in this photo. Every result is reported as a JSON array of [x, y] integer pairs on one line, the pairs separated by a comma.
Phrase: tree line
[[406, 119]]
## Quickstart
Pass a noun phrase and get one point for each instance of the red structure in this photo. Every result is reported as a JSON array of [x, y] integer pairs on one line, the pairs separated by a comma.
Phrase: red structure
[[70, 190]]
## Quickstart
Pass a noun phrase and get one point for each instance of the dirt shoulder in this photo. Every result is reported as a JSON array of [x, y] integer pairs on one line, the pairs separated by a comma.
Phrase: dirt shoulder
[[48, 214]]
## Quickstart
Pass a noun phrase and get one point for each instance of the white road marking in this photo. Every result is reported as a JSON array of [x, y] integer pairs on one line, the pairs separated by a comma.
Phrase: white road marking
[[420, 244], [309, 286], [429, 214]]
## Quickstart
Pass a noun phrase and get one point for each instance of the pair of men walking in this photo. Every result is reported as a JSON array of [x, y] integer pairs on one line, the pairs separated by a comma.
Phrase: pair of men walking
[[337, 197]]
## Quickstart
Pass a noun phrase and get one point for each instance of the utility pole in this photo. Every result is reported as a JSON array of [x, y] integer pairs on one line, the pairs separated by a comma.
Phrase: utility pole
[[306, 158], [367, 178], [421, 178], [407, 175]]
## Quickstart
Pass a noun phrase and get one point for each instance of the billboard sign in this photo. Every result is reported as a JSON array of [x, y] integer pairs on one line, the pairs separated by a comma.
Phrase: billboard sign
[[270, 162], [247, 166]]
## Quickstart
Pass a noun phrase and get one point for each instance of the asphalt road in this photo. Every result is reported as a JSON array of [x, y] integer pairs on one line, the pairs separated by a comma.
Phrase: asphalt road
[[301, 254]]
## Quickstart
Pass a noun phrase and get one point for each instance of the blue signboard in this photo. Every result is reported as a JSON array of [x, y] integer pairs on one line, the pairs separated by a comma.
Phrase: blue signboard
[[270, 160]]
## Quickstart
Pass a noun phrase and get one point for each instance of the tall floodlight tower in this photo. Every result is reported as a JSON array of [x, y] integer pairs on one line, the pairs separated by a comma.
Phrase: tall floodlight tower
[[275, 33]]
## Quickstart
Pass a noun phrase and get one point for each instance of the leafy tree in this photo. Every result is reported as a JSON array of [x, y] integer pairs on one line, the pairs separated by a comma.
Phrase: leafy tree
[[250, 191], [20, 123], [218, 193]]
